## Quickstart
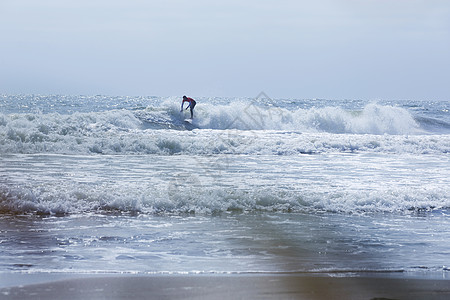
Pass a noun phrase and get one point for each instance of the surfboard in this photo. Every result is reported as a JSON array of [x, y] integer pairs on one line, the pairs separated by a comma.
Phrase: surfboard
[[189, 125]]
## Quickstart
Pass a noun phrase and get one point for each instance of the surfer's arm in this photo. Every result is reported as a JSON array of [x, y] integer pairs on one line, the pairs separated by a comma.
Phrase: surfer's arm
[[182, 103]]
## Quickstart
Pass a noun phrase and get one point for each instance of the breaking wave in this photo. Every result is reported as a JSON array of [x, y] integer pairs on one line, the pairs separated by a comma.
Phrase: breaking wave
[[237, 128], [170, 199]]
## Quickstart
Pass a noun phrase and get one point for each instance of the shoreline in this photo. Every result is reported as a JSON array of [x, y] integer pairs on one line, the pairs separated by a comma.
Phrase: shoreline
[[229, 287]]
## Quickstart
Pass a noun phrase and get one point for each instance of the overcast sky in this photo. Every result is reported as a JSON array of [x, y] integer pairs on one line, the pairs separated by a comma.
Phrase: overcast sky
[[333, 49]]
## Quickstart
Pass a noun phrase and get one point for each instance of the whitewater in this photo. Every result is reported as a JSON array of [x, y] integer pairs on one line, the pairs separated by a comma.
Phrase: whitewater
[[102, 184]]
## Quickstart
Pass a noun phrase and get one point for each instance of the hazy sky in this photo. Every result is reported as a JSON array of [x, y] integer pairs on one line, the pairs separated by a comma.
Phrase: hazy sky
[[333, 49]]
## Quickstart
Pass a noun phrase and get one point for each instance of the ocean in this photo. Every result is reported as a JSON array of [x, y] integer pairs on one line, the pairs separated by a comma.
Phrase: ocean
[[123, 185]]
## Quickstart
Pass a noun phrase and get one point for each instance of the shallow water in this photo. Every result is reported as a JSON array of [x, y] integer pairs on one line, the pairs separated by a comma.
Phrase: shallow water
[[326, 243]]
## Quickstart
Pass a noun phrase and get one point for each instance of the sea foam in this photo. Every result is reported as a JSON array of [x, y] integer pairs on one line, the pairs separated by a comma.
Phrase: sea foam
[[237, 128], [373, 119], [76, 198]]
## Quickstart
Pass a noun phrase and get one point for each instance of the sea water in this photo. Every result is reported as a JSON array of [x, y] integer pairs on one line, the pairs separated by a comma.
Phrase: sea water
[[100, 184]]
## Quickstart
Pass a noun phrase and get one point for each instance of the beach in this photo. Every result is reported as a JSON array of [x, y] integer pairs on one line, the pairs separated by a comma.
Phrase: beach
[[233, 287]]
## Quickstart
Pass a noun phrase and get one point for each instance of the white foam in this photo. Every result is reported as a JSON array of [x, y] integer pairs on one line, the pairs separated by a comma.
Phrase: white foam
[[116, 133], [60, 184], [162, 199], [236, 128], [373, 119]]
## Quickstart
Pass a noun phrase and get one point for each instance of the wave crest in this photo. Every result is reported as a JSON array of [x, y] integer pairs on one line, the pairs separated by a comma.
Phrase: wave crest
[[373, 119], [236, 128], [172, 199]]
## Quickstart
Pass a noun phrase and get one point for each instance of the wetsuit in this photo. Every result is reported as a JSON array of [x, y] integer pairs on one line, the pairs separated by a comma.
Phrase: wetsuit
[[191, 105]]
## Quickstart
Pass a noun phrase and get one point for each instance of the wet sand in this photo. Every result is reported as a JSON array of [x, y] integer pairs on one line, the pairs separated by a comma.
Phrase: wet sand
[[232, 287]]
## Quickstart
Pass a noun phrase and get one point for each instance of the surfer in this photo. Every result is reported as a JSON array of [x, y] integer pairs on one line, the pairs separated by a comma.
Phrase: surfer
[[191, 105]]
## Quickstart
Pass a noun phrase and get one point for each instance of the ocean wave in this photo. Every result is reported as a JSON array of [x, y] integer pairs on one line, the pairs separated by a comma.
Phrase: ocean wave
[[433, 124], [237, 128], [241, 115], [172, 199], [208, 142]]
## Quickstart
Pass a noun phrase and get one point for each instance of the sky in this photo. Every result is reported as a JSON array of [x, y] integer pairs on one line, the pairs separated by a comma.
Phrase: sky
[[329, 49]]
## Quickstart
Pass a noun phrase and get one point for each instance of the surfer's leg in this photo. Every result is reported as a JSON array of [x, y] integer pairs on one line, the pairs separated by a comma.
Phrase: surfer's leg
[[192, 109]]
